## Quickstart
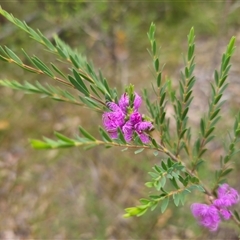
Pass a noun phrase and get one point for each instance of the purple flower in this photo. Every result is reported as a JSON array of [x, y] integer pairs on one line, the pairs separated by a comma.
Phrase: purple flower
[[210, 215], [136, 124], [113, 120], [227, 196], [207, 215], [127, 118], [124, 102], [226, 214]]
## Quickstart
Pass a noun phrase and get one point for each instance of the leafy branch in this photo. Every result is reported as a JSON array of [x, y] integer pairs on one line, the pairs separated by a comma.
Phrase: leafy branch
[[185, 98], [168, 172], [83, 69], [207, 124], [225, 162], [157, 108], [48, 91]]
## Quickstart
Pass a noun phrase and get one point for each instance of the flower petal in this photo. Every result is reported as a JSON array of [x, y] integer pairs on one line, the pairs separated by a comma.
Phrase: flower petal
[[128, 131], [137, 102], [207, 215], [227, 196], [112, 121], [143, 126], [135, 118], [124, 102], [144, 137]]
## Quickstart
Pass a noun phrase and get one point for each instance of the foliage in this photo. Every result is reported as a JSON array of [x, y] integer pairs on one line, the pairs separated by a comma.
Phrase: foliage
[[181, 156]]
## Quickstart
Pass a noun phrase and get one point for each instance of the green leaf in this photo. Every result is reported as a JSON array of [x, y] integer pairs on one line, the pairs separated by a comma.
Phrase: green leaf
[[139, 151], [58, 71], [39, 144], [164, 204], [154, 47], [176, 199], [154, 205], [156, 65], [104, 135], [79, 80], [13, 56], [159, 78], [86, 134], [231, 47], [174, 182], [154, 143], [78, 86], [162, 98], [149, 184], [64, 138], [41, 66], [236, 215], [182, 133], [214, 114], [217, 98], [209, 132], [202, 127], [226, 172], [216, 77], [184, 113], [121, 136]]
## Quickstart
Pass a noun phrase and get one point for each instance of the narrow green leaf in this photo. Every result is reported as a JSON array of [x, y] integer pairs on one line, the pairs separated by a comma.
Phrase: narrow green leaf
[[209, 132], [74, 62], [182, 133], [79, 80], [162, 98], [164, 204], [226, 172], [86, 134], [58, 71], [104, 135], [139, 151], [174, 182], [13, 56], [214, 114], [121, 136], [154, 47], [149, 184], [184, 113], [41, 66], [39, 144], [64, 138], [154, 205], [236, 215], [187, 96], [78, 86], [176, 199], [156, 65], [159, 78]]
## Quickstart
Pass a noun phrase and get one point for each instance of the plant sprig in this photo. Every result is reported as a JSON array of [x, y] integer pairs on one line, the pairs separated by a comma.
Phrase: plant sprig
[[208, 123]]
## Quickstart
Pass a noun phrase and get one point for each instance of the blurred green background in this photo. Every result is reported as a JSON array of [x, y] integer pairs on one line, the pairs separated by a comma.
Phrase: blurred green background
[[76, 194]]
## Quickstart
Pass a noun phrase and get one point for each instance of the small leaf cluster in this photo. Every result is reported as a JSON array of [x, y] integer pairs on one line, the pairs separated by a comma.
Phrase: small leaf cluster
[[168, 173], [157, 107], [183, 101]]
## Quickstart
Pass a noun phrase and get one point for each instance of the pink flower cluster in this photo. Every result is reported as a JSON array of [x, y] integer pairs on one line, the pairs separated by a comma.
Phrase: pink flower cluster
[[210, 216], [127, 118]]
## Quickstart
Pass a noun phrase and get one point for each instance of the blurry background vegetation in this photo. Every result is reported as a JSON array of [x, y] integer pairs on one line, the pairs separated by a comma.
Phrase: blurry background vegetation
[[76, 194]]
